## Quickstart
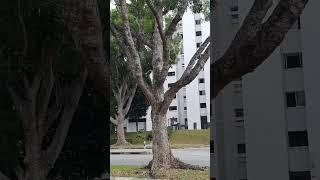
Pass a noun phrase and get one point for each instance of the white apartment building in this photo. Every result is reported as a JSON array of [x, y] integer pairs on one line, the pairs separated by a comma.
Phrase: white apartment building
[[266, 125], [190, 108]]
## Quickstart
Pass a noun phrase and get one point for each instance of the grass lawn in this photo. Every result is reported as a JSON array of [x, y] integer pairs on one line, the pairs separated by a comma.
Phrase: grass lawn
[[179, 174], [189, 137], [178, 139]]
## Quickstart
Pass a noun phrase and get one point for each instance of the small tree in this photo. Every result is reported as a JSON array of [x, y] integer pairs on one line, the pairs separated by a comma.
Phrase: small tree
[[124, 90]]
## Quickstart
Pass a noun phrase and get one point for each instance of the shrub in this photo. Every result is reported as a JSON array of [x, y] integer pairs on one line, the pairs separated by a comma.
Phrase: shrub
[[170, 131]]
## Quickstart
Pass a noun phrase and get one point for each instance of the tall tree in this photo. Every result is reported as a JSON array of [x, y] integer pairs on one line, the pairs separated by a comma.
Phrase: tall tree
[[130, 36]]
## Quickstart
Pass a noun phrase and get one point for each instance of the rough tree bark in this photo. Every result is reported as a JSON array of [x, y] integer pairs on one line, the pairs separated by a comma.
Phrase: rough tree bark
[[124, 96]]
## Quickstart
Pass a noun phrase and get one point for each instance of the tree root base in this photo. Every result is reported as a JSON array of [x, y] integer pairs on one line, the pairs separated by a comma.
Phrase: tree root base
[[175, 164], [119, 144]]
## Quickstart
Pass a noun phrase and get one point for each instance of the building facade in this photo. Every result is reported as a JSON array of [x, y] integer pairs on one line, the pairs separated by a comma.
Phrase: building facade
[[190, 107], [265, 125]]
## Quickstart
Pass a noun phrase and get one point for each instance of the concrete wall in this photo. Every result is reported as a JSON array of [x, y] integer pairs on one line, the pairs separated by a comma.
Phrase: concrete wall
[[310, 43]]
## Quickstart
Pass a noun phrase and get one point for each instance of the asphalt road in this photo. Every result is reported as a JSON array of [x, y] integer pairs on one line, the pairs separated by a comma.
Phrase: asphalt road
[[194, 156]]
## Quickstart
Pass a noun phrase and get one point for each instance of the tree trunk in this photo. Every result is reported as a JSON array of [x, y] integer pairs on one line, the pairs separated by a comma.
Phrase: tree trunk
[[121, 140], [34, 170], [162, 156]]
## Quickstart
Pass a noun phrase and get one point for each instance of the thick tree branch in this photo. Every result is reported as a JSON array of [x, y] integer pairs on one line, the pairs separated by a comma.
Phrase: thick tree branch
[[44, 95], [200, 57], [116, 30], [196, 57], [134, 59], [3, 176], [129, 98], [173, 25], [113, 120], [72, 96], [252, 22], [240, 60], [159, 20], [124, 90]]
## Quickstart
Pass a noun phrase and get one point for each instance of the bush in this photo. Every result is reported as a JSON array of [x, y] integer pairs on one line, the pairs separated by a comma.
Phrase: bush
[[170, 131], [148, 136]]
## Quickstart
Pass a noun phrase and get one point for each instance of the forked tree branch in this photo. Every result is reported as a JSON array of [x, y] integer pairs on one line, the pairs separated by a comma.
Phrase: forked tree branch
[[72, 95], [129, 98]]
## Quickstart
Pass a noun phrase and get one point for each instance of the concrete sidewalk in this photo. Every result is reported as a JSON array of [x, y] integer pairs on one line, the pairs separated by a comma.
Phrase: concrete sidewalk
[[130, 151], [130, 178]]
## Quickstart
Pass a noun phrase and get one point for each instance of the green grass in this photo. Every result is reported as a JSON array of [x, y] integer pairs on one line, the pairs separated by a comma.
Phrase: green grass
[[178, 138], [190, 137], [179, 174]]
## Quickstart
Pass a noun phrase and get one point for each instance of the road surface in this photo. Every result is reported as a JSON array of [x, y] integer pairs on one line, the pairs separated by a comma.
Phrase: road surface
[[194, 156]]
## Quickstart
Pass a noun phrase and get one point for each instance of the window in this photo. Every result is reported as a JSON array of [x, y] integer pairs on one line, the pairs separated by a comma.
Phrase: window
[[185, 108], [237, 85], [298, 138], [171, 108], [170, 84], [238, 112], [234, 8], [186, 123], [198, 45], [137, 120], [198, 21], [211, 146], [198, 33], [235, 16], [204, 122], [295, 99], [203, 105], [171, 73], [194, 125], [185, 97], [241, 148], [300, 175], [293, 60], [201, 80], [202, 92], [299, 23]]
